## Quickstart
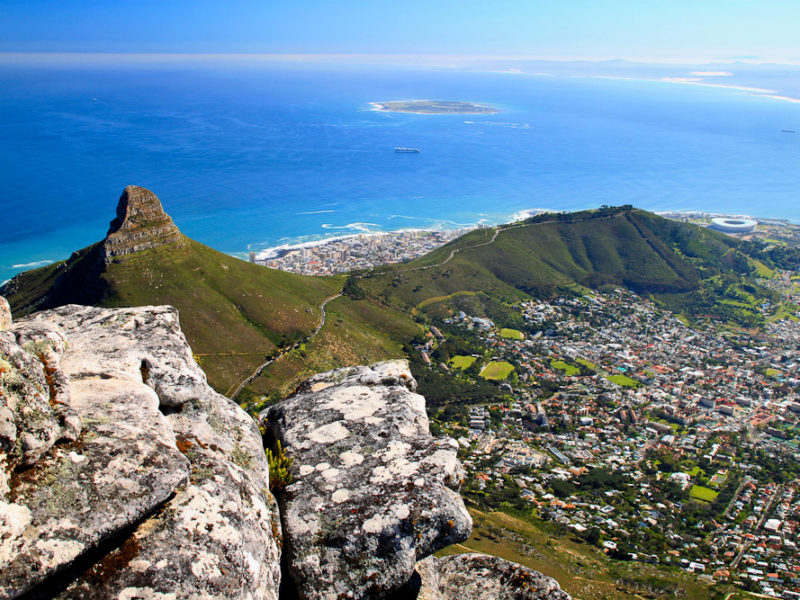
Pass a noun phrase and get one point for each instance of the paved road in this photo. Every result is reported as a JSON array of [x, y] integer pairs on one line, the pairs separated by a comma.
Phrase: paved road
[[286, 349]]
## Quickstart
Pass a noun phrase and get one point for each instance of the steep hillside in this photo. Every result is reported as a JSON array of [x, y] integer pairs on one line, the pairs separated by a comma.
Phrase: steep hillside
[[687, 267], [237, 315], [233, 313]]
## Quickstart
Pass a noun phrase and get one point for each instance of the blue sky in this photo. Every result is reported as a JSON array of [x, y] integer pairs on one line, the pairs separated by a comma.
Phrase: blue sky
[[699, 30]]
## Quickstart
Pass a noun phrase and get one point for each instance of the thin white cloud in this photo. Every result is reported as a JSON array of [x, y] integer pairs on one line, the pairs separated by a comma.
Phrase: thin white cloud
[[711, 73]]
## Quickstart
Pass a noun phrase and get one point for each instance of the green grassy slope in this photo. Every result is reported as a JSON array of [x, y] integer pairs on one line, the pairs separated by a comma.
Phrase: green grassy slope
[[356, 332], [233, 313], [683, 265]]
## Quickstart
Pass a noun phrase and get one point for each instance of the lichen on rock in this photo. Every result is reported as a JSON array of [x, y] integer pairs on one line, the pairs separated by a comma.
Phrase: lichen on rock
[[167, 471], [373, 492], [5, 314], [483, 577]]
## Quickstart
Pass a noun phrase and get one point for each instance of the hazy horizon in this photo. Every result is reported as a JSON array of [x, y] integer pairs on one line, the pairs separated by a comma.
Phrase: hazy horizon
[[680, 31]]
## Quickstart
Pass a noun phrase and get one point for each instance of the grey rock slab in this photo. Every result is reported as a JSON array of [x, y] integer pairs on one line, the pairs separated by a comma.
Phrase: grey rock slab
[[373, 492], [124, 465], [142, 344], [29, 426], [484, 577], [219, 535], [5, 314], [212, 540]]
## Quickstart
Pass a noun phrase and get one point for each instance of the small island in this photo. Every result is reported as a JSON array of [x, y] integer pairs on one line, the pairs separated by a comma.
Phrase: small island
[[433, 107]]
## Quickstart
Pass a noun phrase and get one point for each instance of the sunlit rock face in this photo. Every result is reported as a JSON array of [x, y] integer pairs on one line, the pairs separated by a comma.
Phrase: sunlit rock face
[[373, 492], [124, 475], [141, 224]]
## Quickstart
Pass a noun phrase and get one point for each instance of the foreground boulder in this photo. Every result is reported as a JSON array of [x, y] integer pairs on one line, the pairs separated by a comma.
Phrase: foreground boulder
[[373, 492], [483, 577], [163, 491], [5, 314]]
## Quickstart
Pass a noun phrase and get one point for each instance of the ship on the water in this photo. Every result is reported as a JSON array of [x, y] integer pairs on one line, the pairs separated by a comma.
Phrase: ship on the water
[[409, 150]]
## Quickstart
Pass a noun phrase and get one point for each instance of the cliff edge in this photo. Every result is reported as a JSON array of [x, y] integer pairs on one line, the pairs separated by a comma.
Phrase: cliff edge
[[124, 476]]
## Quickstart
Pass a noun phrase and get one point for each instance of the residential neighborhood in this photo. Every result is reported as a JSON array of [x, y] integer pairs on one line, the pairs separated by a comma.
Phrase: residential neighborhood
[[656, 439], [361, 251]]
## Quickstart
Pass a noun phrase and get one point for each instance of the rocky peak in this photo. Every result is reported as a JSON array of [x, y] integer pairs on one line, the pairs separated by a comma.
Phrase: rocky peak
[[141, 224]]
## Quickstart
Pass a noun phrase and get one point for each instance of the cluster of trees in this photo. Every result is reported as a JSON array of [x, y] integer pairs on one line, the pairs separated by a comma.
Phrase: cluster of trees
[[442, 389]]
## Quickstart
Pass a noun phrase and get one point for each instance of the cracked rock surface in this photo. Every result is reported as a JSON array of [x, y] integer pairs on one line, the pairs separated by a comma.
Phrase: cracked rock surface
[[164, 492], [373, 492], [5, 314], [483, 577]]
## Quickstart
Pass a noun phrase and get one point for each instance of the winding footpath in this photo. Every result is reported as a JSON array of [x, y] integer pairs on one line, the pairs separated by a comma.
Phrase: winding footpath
[[456, 250], [450, 257], [286, 349]]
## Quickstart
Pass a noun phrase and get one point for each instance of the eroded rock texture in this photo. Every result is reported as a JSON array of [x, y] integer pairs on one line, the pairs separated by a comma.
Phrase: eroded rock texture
[[483, 577], [156, 488], [5, 314], [141, 223], [373, 492]]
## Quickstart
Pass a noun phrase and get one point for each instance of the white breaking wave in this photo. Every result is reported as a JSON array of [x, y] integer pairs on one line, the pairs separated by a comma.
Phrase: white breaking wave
[[31, 265], [365, 227]]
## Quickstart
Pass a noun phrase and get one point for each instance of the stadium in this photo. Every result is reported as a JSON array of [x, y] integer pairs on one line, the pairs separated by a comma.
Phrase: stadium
[[733, 225]]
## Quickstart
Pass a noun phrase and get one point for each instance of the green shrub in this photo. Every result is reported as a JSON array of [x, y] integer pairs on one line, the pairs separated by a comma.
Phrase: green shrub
[[279, 463]]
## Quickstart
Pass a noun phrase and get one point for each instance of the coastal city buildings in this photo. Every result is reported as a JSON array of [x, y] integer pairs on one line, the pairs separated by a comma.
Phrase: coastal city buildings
[[362, 251]]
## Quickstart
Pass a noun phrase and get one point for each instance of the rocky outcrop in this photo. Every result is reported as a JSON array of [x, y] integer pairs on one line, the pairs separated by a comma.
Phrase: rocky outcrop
[[35, 410], [373, 492], [5, 314], [483, 577], [141, 223], [164, 492], [123, 475]]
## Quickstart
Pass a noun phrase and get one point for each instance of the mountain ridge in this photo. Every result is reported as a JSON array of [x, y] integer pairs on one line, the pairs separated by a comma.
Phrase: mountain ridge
[[238, 315]]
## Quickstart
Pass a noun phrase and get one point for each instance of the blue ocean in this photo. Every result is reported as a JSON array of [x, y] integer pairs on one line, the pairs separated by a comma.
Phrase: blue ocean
[[250, 155]]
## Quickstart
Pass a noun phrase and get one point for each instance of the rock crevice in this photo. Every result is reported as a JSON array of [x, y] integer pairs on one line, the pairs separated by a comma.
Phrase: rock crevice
[[373, 491]]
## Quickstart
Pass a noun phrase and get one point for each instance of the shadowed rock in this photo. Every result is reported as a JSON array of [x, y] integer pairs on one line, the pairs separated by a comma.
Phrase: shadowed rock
[[141, 224], [373, 492]]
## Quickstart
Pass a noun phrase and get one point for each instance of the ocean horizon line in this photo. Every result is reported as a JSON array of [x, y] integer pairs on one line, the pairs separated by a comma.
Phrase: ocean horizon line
[[310, 56]]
